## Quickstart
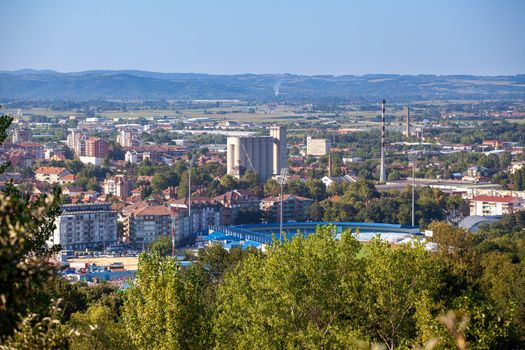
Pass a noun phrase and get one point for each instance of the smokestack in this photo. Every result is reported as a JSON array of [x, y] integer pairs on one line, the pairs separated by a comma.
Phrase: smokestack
[[329, 164], [382, 171], [407, 126]]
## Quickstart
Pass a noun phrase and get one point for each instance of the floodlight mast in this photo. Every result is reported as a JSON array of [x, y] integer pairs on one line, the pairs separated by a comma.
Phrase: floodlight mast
[[190, 224], [282, 179], [413, 161]]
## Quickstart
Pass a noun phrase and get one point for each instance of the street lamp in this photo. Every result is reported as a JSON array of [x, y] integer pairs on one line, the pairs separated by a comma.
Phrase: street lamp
[[282, 179]]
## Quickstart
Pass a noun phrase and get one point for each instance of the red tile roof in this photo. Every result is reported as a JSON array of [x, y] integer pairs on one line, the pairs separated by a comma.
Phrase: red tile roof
[[50, 170], [68, 177], [157, 210], [496, 199]]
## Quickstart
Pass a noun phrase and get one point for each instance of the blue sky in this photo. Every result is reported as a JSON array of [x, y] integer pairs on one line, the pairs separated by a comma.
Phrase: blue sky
[[253, 36]]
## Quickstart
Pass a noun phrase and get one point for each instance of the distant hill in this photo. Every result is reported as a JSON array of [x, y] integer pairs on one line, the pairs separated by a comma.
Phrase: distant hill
[[142, 85]]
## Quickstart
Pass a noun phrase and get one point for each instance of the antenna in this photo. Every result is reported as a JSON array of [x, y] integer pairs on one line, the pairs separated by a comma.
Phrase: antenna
[[382, 171]]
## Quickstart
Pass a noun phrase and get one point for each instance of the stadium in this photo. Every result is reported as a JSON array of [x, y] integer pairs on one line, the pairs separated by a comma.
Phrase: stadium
[[264, 234]]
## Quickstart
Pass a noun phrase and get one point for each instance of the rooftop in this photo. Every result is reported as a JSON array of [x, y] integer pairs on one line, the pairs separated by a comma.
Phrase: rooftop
[[50, 170], [495, 199], [157, 210], [285, 198]]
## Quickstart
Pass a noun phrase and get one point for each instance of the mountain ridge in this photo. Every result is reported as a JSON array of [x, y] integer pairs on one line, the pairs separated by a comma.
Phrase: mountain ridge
[[138, 84]]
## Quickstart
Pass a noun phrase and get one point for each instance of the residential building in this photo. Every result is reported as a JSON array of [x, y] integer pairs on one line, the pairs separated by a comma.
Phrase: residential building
[[129, 138], [477, 171], [18, 158], [22, 135], [91, 160], [180, 222], [317, 147], [131, 157], [155, 153], [146, 224], [35, 150], [50, 174], [77, 142], [205, 212], [295, 208], [234, 202], [97, 147], [82, 226], [484, 205], [72, 191], [67, 179], [117, 186], [493, 143]]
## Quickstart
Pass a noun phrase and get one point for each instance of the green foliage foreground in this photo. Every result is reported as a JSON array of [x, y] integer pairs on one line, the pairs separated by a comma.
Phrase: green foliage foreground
[[314, 292]]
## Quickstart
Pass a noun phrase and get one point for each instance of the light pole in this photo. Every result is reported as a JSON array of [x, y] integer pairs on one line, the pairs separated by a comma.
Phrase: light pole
[[190, 225], [173, 218], [413, 161], [282, 180]]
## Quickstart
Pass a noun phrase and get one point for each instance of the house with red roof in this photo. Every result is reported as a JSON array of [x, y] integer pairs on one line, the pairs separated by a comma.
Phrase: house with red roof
[[50, 174], [484, 205], [147, 223]]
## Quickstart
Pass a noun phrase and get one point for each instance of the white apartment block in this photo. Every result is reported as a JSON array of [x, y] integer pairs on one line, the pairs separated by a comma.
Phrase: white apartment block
[[317, 147], [82, 226], [493, 205]]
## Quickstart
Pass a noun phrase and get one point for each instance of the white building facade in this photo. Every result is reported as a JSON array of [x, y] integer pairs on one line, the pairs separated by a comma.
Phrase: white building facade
[[82, 226]]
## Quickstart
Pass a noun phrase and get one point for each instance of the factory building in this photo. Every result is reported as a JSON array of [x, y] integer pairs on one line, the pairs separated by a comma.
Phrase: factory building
[[266, 155]]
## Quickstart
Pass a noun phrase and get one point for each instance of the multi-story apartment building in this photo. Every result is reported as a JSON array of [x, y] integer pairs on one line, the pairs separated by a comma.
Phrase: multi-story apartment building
[[205, 212], [117, 185], [146, 224], [81, 226], [97, 147], [129, 138], [22, 135], [181, 227], [483, 205], [233, 202], [77, 142], [35, 150], [317, 147], [295, 208]]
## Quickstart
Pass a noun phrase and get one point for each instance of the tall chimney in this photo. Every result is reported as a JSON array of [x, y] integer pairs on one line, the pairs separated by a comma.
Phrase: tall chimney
[[329, 164], [407, 126], [382, 171]]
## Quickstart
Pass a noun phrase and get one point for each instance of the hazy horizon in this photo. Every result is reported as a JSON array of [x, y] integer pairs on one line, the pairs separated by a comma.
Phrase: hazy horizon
[[246, 73]]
